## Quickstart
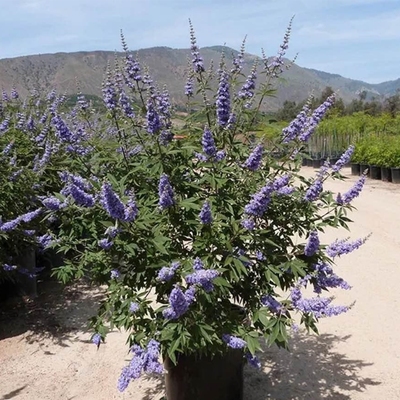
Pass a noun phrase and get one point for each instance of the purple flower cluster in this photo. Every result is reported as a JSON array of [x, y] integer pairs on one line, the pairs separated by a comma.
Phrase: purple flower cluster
[[318, 306], [247, 90], [314, 190], [80, 197], [202, 277], [275, 66], [132, 71], [272, 304], [105, 243], [259, 201], [316, 117], [109, 94], [112, 231], [4, 125], [294, 129], [115, 274], [167, 273], [344, 246], [133, 307], [233, 341], [197, 60], [45, 240], [254, 160], [96, 339], [165, 193], [144, 360], [326, 278], [7, 149], [223, 102], [248, 224], [125, 104], [153, 123], [312, 245], [343, 160], [179, 302], [354, 192], [189, 91], [13, 224], [208, 142], [205, 214]]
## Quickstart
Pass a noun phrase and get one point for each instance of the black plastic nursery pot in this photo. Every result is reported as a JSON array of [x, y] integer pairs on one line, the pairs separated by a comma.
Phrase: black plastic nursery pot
[[395, 175], [363, 167], [205, 378], [304, 162], [386, 174], [355, 169], [309, 162], [374, 172], [317, 163]]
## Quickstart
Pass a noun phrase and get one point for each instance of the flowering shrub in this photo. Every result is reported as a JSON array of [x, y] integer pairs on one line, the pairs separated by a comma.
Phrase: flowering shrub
[[183, 232]]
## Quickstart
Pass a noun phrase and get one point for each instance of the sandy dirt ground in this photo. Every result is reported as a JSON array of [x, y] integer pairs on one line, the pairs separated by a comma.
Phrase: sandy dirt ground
[[45, 352]]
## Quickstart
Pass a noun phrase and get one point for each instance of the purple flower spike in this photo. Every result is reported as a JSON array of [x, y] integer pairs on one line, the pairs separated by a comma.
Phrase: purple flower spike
[[223, 101], [234, 342], [165, 193], [111, 202], [208, 143], [312, 244], [205, 214], [254, 160], [354, 192], [344, 159]]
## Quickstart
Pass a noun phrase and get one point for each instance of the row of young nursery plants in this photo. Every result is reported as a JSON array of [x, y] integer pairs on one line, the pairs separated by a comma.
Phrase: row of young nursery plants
[[178, 231]]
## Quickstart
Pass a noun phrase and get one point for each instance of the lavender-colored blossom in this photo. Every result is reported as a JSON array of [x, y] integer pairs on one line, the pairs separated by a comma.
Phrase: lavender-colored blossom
[[354, 192], [259, 201], [111, 202], [62, 131], [144, 360], [314, 191], [197, 60], [133, 307], [14, 93], [254, 160], [248, 224], [80, 197], [223, 102], [198, 265], [208, 143], [131, 210], [233, 341], [53, 203], [220, 155], [7, 149], [318, 306], [126, 105], [45, 240], [253, 360], [167, 273], [247, 90], [326, 278], [280, 182], [189, 91], [275, 67], [231, 121], [205, 215], [4, 125], [344, 246], [344, 159], [29, 232], [203, 278], [115, 274], [316, 117], [179, 304], [96, 339], [165, 193], [5, 96], [285, 191], [272, 304], [8, 267], [312, 245], [132, 70], [260, 256], [166, 137], [105, 243], [10, 225], [28, 217], [190, 294], [153, 124], [109, 94]]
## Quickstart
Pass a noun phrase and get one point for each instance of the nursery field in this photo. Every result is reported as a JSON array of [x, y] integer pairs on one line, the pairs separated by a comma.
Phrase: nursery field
[[46, 352]]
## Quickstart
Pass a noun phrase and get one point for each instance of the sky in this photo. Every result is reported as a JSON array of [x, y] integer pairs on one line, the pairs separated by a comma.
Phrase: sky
[[358, 39]]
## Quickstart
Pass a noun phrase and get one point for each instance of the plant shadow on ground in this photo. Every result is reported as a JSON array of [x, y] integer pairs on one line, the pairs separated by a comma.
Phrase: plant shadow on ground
[[313, 369], [57, 313]]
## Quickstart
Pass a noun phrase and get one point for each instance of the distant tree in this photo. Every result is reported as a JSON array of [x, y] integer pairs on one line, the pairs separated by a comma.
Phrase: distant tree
[[289, 111], [392, 105]]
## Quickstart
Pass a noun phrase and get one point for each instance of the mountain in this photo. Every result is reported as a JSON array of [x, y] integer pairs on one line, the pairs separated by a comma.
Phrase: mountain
[[65, 72]]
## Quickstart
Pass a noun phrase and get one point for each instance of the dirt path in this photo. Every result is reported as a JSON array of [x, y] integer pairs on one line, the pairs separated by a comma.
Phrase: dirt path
[[355, 357]]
